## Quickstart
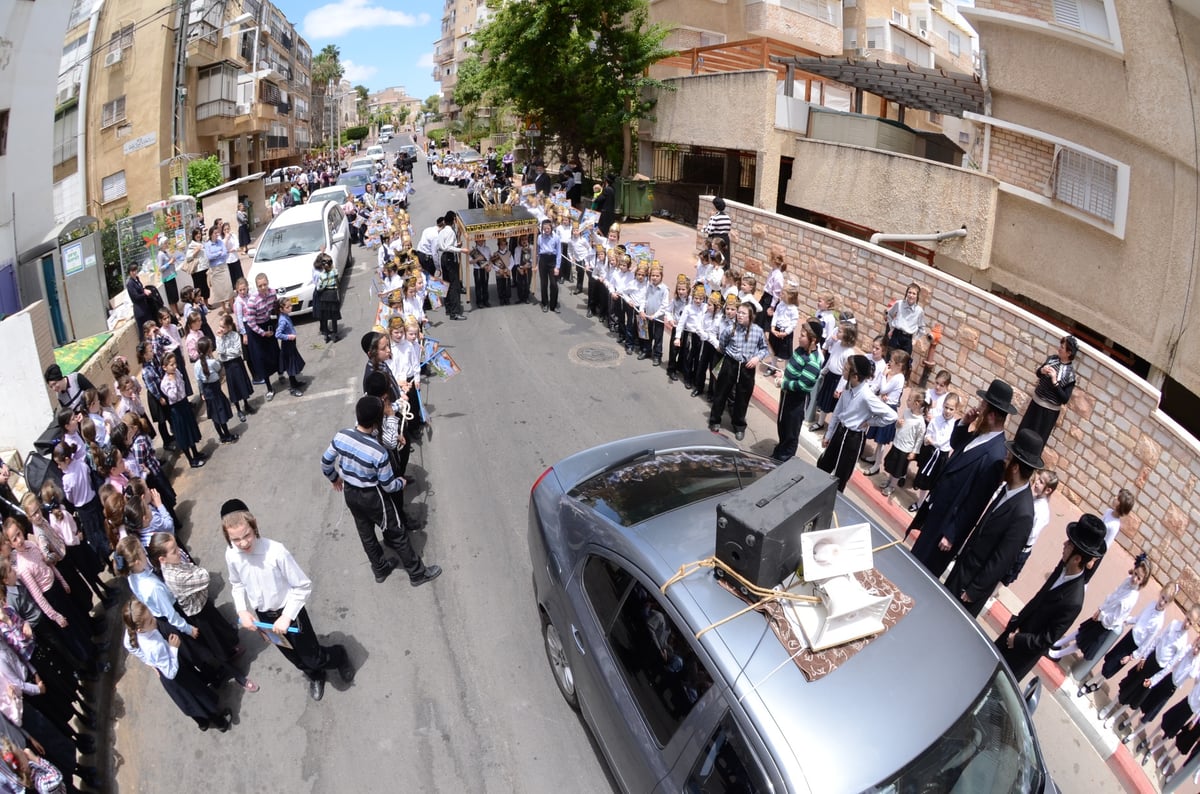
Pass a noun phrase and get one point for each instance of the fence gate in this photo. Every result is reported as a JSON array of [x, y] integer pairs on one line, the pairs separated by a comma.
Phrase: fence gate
[[684, 173]]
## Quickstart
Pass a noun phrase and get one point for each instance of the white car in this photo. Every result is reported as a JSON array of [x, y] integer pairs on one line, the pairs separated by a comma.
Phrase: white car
[[291, 243], [337, 193], [376, 153]]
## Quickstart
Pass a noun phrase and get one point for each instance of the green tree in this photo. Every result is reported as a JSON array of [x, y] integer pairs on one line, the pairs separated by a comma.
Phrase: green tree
[[432, 104], [356, 133], [363, 100], [401, 115], [204, 175], [326, 66], [576, 66]]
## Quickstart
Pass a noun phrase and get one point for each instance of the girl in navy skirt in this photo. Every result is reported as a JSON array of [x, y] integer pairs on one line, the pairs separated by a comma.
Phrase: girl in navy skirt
[[891, 390], [237, 380], [181, 681], [290, 361], [838, 351], [936, 450], [183, 419], [208, 377]]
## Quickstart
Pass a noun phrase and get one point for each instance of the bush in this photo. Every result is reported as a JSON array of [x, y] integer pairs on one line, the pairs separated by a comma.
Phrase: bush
[[356, 133], [204, 174]]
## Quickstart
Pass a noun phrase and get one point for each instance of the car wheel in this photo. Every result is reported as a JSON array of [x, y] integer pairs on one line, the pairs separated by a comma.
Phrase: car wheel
[[560, 665]]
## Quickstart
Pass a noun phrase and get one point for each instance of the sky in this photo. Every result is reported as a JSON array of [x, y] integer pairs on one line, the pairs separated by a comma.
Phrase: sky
[[382, 42]]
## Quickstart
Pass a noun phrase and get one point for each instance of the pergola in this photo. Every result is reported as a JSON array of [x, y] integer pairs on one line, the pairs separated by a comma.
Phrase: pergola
[[934, 90]]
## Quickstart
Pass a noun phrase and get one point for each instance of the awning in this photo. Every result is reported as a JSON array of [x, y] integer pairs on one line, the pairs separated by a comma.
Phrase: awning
[[935, 90], [233, 183]]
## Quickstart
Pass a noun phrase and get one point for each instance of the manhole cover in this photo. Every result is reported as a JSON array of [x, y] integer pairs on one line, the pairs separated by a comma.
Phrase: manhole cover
[[593, 354]]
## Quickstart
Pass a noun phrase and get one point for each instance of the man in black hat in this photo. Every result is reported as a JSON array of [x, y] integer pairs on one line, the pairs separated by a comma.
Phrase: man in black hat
[[542, 182], [968, 480], [1000, 535], [1053, 609], [268, 586]]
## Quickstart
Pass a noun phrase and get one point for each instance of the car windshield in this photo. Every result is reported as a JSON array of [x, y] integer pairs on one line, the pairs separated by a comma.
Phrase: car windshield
[[354, 179], [990, 749], [284, 241], [633, 491]]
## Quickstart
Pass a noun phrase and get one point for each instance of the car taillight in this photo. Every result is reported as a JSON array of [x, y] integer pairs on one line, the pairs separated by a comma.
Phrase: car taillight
[[538, 481]]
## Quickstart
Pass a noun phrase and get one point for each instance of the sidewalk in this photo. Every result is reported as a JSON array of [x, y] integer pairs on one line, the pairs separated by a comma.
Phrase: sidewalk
[[676, 247]]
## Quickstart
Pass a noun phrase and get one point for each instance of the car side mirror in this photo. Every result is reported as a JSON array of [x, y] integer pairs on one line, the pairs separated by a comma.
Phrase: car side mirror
[[337, 238], [1033, 693]]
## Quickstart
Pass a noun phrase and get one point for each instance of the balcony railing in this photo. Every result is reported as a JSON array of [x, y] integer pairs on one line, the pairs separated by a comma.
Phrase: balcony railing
[[217, 107], [277, 141]]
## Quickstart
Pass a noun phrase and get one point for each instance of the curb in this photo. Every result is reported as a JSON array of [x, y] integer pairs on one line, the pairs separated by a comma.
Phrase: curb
[[1120, 761]]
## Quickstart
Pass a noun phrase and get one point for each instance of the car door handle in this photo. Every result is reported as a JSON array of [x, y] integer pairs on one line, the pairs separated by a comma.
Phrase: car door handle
[[578, 639]]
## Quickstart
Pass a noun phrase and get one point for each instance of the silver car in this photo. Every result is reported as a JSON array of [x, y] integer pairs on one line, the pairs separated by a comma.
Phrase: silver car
[[928, 706]]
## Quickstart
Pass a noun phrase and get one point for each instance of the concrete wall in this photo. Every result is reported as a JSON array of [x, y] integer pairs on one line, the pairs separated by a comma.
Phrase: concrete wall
[[1110, 436], [897, 194], [1136, 107]]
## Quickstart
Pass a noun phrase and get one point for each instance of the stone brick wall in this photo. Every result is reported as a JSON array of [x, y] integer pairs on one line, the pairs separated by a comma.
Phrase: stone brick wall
[[775, 21], [1037, 9], [1020, 160], [1111, 435]]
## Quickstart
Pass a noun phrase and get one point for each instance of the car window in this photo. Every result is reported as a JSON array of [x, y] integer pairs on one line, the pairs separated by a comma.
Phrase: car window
[[727, 765], [283, 241], [664, 675], [336, 215], [606, 586], [632, 492]]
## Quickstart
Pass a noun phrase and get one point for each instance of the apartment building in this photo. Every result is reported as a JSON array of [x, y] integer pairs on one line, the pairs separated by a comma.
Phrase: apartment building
[[136, 101], [460, 19], [393, 99]]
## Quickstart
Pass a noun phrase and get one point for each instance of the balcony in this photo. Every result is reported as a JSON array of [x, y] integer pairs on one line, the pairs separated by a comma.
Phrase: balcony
[[814, 24], [216, 118]]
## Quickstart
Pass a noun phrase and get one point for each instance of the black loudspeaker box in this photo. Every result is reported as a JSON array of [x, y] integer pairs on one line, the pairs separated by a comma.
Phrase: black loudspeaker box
[[759, 527]]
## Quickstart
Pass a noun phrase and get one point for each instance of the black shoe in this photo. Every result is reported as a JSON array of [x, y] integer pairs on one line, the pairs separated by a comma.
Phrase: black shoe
[[900, 482], [545, 309], [658, 362], [270, 395], [672, 376], [556, 310], [295, 392], [383, 572], [241, 416], [590, 315], [86, 745], [197, 463], [695, 392], [226, 721], [714, 428], [457, 317], [430, 573], [739, 435], [347, 672], [316, 689], [643, 356]]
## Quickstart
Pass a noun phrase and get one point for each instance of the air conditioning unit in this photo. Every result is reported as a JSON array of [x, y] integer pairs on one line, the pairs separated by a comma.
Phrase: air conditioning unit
[[67, 94], [113, 57], [924, 33], [862, 52]]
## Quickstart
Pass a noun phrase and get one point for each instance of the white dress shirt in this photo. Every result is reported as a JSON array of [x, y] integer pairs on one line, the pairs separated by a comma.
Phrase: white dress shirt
[[267, 577], [859, 406], [155, 651], [1119, 604]]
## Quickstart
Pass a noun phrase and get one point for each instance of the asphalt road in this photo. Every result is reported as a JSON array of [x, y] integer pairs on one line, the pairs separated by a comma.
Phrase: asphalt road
[[453, 691]]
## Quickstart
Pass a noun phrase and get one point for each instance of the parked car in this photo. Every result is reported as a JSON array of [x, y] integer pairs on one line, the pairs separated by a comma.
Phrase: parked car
[[377, 153], [468, 156], [927, 706], [355, 180], [411, 150], [338, 193], [291, 243], [368, 164], [384, 137]]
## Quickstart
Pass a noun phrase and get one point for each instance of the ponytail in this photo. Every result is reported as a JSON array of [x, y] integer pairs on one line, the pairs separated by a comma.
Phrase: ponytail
[[131, 615]]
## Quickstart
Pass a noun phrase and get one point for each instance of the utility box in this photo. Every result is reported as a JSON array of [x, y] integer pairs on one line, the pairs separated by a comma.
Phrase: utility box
[[67, 271]]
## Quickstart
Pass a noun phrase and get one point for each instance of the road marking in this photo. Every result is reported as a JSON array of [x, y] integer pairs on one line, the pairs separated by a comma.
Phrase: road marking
[[350, 399], [331, 393]]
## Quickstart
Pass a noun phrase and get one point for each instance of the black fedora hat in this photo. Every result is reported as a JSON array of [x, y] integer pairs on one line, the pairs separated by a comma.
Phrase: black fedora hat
[[1027, 448], [999, 395], [1087, 535]]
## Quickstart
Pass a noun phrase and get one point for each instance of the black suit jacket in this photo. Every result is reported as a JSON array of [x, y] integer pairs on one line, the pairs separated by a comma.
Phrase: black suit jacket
[[1041, 623], [959, 497], [992, 549], [543, 184]]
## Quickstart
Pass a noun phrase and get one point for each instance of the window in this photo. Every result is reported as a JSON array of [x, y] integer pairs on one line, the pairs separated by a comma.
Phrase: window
[[3, 132], [664, 675], [1086, 183], [899, 18], [73, 53], [112, 187], [606, 587], [954, 41], [66, 134], [121, 38], [112, 112], [875, 37], [1086, 16], [79, 12], [727, 764], [216, 91]]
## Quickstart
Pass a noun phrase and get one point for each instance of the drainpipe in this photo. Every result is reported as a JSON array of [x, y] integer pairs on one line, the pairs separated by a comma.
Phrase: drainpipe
[[81, 127], [935, 237]]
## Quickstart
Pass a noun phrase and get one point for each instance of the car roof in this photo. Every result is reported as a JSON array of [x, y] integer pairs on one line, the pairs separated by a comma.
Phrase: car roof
[[301, 213], [928, 668]]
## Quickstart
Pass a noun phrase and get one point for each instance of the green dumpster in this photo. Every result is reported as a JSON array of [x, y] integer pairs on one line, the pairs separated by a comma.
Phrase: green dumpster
[[635, 198]]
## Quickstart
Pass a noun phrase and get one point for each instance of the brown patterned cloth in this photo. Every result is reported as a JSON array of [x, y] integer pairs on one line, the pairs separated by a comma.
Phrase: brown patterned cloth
[[818, 664]]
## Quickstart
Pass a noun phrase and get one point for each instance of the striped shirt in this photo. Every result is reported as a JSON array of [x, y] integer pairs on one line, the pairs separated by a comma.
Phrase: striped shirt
[[363, 460], [258, 312], [802, 371], [719, 224]]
